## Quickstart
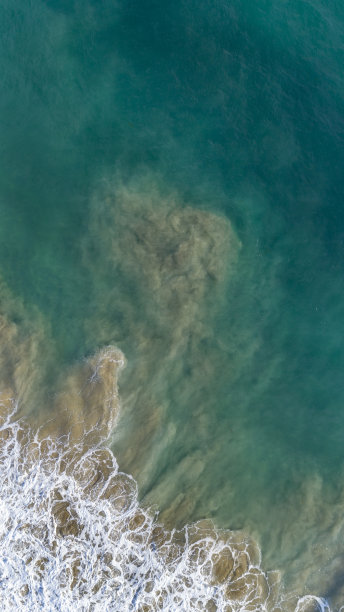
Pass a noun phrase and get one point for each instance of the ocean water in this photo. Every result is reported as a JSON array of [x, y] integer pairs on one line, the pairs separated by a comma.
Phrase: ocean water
[[171, 185]]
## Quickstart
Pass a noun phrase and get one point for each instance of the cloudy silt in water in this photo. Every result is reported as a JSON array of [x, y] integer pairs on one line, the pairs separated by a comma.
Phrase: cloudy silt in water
[[171, 188]]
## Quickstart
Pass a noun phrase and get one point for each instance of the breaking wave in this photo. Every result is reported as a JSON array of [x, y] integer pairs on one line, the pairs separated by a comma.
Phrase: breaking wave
[[73, 536]]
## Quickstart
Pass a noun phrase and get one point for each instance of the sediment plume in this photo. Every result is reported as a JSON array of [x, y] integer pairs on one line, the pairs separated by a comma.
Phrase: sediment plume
[[24, 346], [86, 405], [172, 264]]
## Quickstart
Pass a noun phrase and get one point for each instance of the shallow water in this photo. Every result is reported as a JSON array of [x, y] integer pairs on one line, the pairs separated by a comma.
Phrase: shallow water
[[172, 184]]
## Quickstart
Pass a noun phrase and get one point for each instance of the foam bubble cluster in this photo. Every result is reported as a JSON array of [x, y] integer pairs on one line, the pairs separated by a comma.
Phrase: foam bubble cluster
[[73, 536]]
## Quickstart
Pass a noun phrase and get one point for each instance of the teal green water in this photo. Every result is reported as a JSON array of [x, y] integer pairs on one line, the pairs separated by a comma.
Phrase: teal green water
[[235, 109]]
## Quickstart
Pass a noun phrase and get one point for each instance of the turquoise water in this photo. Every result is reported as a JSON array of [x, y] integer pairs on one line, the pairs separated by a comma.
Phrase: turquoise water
[[234, 110]]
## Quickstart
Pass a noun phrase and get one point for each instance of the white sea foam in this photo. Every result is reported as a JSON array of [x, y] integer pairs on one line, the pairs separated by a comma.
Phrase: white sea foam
[[74, 537]]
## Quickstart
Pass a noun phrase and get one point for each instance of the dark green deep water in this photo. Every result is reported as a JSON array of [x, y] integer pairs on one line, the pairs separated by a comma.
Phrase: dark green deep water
[[239, 109]]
